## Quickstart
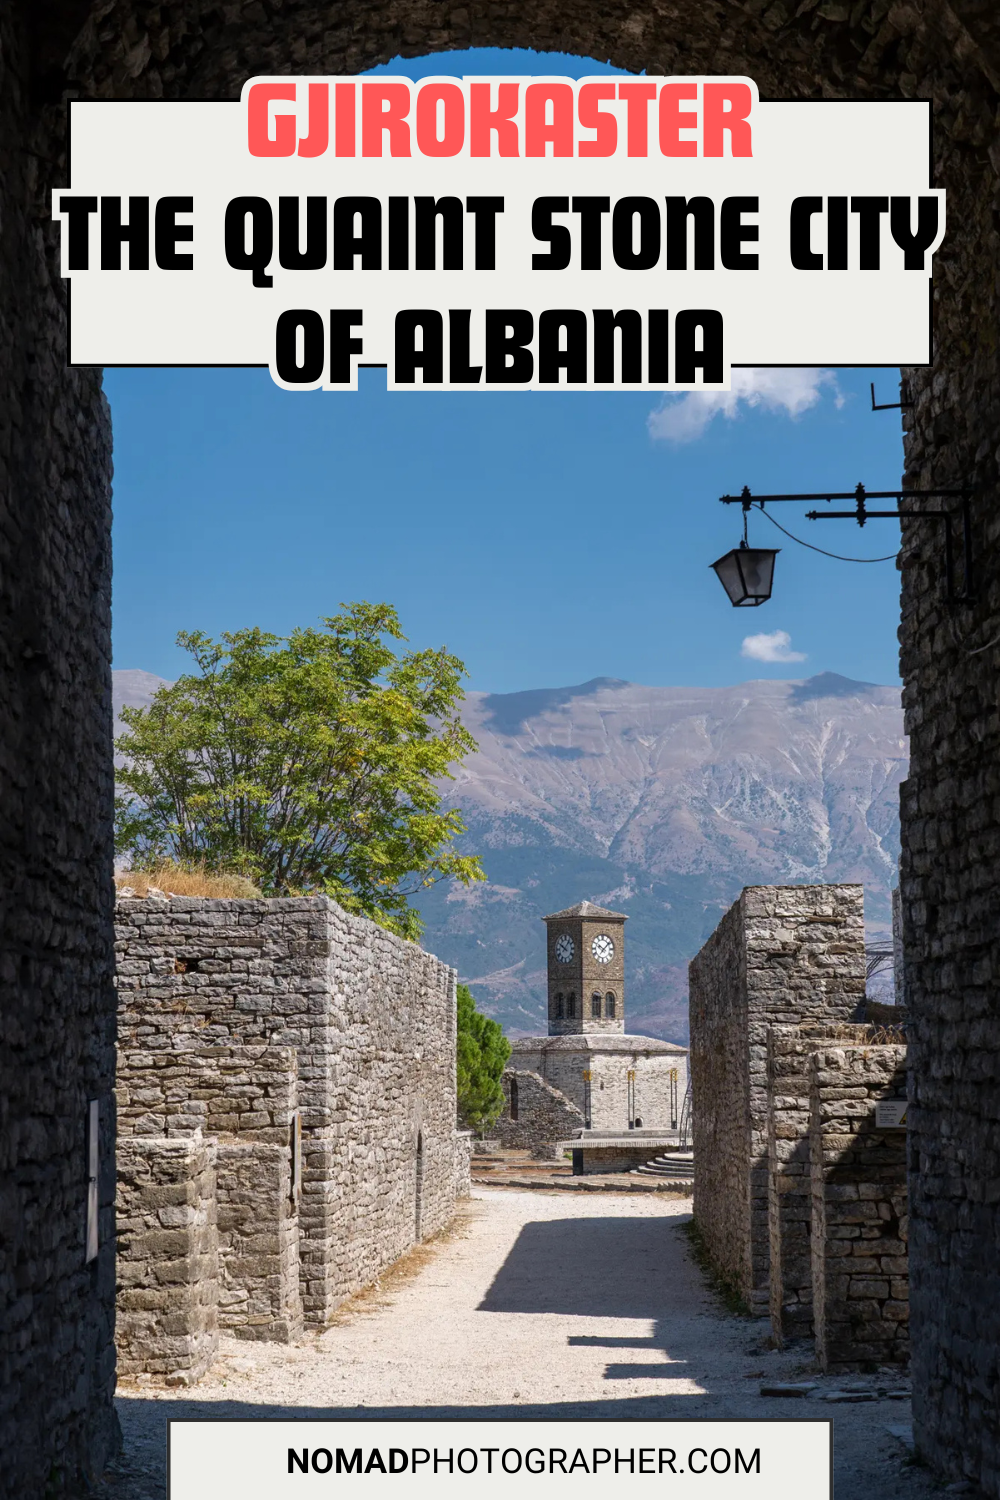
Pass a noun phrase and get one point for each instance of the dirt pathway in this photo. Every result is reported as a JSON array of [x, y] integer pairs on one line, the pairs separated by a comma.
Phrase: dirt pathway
[[584, 1306]]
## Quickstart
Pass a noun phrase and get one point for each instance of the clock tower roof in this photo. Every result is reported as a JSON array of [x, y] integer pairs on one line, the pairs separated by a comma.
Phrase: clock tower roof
[[586, 909]]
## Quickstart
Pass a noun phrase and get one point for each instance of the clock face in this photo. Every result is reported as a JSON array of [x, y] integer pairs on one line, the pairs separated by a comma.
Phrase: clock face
[[564, 948], [603, 948]]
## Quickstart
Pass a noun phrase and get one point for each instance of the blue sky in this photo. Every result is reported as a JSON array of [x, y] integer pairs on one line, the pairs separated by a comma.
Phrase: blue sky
[[545, 538]]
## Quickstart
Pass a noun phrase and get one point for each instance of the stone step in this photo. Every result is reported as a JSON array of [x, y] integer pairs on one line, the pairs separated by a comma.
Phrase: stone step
[[659, 1172], [666, 1166]]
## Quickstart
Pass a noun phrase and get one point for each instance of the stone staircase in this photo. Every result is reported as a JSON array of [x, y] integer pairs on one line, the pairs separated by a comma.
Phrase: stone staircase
[[676, 1165]]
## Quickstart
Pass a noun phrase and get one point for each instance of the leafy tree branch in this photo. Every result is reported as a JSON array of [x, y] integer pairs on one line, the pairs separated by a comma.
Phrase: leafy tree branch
[[305, 763]]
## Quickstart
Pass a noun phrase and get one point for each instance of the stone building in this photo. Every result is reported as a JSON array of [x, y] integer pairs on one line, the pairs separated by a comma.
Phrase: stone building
[[286, 1116], [589, 1077], [56, 848]]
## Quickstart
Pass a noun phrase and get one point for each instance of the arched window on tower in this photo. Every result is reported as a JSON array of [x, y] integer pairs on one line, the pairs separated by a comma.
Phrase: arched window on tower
[[513, 1099], [595, 1006], [559, 1006], [610, 1005], [571, 1005]]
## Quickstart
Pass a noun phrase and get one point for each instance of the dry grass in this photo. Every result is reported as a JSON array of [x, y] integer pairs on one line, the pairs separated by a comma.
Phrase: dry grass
[[180, 880], [868, 1034]]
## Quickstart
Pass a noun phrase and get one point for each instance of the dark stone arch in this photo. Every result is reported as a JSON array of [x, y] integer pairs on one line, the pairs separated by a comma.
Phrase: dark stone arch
[[55, 472]]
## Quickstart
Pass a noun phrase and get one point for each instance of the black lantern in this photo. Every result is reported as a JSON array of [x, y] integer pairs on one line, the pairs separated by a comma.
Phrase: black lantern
[[747, 574]]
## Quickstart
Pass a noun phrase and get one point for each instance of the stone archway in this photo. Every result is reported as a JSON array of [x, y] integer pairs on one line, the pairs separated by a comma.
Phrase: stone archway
[[55, 471]]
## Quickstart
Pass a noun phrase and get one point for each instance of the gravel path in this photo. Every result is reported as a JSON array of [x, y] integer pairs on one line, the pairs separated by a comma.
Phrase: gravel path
[[583, 1307]]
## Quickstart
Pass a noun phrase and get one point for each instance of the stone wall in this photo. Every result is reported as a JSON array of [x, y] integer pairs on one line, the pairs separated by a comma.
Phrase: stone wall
[[859, 1218], [237, 1018], [464, 1146], [57, 1014], [720, 1090], [898, 959], [244, 1099], [168, 1257], [222, 1091], [790, 1052], [781, 956], [950, 811], [544, 1114], [259, 1293], [789, 1202]]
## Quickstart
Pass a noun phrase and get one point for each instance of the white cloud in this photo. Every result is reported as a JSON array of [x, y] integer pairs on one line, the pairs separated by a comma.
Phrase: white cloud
[[681, 419], [775, 646]]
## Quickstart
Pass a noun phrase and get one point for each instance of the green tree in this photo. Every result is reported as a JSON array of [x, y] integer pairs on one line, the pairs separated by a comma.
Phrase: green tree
[[306, 763], [482, 1051]]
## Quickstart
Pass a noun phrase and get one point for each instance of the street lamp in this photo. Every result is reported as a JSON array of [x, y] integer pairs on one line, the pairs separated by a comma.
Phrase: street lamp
[[747, 574]]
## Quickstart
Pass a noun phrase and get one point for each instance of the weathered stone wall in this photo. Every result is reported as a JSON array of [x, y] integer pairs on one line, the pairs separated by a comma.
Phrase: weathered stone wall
[[898, 958], [168, 1257], [57, 1015], [464, 1146], [949, 806], [789, 1054], [244, 1098], [781, 956], [259, 1294], [222, 1091], [720, 1089], [859, 1219], [234, 1013], [790, 1202], [544, 1114]]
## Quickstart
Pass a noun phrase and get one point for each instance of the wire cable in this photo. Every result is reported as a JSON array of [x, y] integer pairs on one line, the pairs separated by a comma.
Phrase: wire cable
[[971, 650], [836, 555], [975, 650]]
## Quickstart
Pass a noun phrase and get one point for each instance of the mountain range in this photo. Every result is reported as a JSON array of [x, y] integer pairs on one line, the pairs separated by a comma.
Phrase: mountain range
[[662, 802]]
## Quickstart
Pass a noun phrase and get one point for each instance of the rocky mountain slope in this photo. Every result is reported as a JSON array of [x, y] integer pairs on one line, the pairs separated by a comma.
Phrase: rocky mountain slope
[[661, 802]]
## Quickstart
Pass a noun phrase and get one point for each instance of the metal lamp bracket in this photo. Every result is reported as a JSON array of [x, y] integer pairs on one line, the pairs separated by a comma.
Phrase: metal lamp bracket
[[862, 514], [904, 399]]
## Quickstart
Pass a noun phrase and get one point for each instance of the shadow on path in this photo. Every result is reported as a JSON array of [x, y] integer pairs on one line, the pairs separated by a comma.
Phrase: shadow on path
[[594, 1268], [610, 1268]]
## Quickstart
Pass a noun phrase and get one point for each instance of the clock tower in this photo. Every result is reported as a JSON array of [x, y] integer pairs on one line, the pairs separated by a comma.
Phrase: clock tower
[[586, 963]]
